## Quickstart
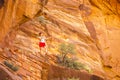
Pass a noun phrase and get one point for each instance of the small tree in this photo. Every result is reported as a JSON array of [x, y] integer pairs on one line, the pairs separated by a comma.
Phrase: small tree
[[66, 49], [66, 61]]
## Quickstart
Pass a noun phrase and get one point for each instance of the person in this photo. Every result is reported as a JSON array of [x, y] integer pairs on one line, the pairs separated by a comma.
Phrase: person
[[42, 43]]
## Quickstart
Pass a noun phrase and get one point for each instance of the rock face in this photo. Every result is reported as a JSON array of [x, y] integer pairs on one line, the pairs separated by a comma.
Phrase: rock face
[[6, 74], [91, 25], [105, 17], [14, 12]]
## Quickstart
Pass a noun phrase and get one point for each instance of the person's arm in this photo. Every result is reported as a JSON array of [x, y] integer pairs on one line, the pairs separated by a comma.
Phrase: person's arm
[[39, 37], [48, 38]]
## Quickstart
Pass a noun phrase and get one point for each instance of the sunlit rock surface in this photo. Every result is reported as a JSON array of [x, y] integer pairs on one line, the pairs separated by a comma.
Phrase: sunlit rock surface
[[91, 25], [14, 12], [105, 17]]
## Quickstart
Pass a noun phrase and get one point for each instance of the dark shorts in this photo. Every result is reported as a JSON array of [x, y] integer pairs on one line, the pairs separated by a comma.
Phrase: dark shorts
[[41, 44]]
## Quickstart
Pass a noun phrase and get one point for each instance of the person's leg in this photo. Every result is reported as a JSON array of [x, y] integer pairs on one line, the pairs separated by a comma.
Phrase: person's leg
[[46, 50], [43, 51], [40, 47], [40, 50], [45, 54]]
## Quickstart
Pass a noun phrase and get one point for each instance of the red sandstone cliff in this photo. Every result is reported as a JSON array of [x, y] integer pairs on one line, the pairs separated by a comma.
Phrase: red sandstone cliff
[[92, 25]]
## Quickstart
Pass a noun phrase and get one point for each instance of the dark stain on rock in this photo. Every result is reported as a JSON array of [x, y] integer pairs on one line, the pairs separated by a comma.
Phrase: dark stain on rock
[[108, 67], [1, 3], [85, 8], [94, 77], [118, 1], [91, 29]]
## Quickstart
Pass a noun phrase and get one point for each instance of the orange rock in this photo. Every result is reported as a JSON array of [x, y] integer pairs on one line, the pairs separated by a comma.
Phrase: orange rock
[[92, 26]]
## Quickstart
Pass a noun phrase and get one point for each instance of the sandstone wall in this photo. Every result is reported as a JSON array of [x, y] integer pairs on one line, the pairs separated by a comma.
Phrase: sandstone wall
[[15, 12], [92, 25]]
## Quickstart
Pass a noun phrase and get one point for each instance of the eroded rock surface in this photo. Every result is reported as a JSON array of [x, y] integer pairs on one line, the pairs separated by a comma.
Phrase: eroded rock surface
[[91, 25]]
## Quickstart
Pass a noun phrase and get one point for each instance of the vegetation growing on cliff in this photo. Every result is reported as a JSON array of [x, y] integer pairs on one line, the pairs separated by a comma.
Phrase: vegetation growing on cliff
[[11, 66], [73, 78], [65, 49], [64, 58]]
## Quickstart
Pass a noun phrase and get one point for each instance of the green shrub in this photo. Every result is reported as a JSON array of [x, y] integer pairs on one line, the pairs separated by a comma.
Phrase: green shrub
[[42, 20], [87, 68], [65, 49], [6, 79], [73, 64], [15, 68], [11, 66], [73, 78], [8, 64], [64, 60]]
